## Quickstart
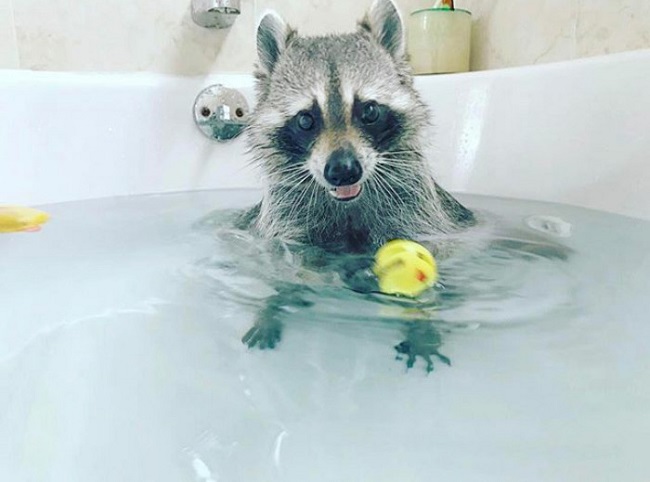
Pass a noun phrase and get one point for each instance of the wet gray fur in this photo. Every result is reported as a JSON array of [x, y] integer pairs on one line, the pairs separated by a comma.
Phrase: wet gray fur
[[400, 200]]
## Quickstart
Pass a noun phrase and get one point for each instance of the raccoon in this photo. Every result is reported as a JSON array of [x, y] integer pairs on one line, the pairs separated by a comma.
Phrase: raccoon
[[339, 133]]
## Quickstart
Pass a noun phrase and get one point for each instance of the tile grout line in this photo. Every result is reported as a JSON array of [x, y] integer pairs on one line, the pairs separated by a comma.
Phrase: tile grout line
[[12, 19], [576, 29]]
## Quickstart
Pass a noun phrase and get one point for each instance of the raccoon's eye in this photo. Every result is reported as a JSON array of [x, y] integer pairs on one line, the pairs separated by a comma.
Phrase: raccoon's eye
[[305, 121], [370, 113]]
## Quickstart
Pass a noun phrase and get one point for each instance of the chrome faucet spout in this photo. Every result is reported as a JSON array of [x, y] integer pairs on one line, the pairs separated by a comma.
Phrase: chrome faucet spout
[[215, 13]]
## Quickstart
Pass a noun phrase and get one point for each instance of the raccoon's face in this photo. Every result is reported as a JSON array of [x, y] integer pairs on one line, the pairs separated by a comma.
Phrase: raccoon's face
[[338, 110]]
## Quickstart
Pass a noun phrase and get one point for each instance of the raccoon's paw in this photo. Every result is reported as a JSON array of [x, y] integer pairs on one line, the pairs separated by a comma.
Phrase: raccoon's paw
[[411, 352], [421, 342], [265, 335]]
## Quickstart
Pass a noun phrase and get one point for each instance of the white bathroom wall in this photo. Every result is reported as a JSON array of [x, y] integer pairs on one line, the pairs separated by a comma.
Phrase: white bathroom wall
[[159, 36]]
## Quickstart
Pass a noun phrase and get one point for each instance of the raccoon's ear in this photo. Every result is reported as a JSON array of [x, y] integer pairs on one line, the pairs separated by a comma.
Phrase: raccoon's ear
[[384, 23], [273, 35]]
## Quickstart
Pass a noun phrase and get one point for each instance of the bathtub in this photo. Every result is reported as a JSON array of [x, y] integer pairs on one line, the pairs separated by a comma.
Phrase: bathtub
[[573, 133], [570, 132]]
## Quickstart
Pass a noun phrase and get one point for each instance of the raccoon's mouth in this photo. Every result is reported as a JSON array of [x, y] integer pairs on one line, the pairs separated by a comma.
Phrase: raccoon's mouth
[[346, 193]]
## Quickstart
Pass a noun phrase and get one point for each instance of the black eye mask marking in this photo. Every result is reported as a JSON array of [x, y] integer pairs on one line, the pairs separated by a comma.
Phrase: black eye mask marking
[[296, 138], [378, 123]]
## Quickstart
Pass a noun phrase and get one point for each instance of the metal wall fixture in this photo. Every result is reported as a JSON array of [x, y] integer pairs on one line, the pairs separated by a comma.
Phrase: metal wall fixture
[[215, 13], [221, 113]]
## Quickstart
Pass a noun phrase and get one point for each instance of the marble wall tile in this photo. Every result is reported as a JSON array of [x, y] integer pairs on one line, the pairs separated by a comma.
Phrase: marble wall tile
[[315, 17], [159, 35], [127, 35], [327, 16], [8, 45], [607, 26], [511, 33]]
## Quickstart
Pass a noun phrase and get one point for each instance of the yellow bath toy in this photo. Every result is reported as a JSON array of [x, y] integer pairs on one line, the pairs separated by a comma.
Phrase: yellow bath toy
[[14, 219], [405, 268]]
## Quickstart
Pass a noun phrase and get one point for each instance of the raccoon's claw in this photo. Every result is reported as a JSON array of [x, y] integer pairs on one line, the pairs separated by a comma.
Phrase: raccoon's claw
[[267, 331], [264, 336], [423, 343], [444, 359]]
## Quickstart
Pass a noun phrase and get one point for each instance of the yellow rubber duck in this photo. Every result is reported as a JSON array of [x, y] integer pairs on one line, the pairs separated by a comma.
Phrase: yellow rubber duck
[[405, 268], [14, 219]]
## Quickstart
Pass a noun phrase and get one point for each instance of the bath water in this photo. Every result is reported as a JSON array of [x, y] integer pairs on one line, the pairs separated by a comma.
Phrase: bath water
[[121, 356]]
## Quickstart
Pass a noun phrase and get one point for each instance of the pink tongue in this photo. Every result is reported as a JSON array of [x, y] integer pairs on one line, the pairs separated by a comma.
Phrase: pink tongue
[[345, 192]]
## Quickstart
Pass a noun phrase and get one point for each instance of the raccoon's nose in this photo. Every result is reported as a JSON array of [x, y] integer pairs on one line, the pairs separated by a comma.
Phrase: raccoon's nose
[[343, 168]]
